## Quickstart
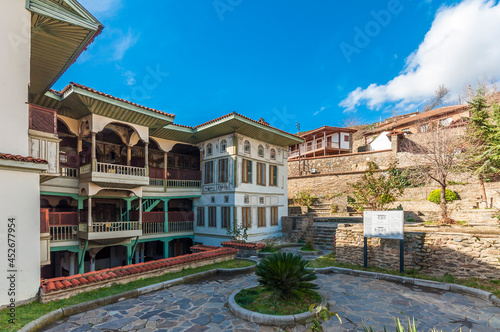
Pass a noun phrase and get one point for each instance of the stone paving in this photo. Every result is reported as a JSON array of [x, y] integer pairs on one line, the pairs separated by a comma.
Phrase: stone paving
[[202, 306]]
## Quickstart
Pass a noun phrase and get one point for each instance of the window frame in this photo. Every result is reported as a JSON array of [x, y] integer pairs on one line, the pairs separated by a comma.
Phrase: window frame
[[247, 147], [209, 149], [261, 217], [273, 175], [247, 171], [261, 151], [223, 170], [274, 216], [200, 216], [223, 146], [246, 217], [273, 154], [212, 216], [261, 174], [225, 217], [208, 169]]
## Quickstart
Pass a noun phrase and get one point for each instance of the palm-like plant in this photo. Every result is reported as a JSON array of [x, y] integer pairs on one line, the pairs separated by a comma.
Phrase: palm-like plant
[[285, 274]]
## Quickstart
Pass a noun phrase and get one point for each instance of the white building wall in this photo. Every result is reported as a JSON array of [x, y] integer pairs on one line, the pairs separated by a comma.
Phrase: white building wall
[[20, 197], [15, 76], [382, 142], [237, 192]]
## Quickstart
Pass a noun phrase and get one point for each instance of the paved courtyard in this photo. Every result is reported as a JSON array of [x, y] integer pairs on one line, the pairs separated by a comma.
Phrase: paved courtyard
[[202, 307]]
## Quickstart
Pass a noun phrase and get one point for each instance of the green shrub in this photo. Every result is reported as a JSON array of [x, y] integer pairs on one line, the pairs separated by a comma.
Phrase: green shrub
[[435, 196], [304, 198], [285, 274]]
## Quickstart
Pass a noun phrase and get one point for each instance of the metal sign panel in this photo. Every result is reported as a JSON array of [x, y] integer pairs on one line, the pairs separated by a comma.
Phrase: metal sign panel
[[384, 224]]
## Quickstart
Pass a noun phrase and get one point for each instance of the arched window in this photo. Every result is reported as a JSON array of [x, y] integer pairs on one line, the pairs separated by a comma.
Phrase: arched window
[[246, 147], [273, 154], [223, 145], [261, 151], [209, 149]]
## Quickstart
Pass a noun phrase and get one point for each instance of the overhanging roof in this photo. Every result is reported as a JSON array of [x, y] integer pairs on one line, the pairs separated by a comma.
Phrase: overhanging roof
[[327, 130], [60, 31], [76, 101], [227, 124]]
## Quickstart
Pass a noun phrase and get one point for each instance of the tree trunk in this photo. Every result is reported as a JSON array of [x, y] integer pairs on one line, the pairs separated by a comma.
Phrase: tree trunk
[[444, 212], [483, 190]]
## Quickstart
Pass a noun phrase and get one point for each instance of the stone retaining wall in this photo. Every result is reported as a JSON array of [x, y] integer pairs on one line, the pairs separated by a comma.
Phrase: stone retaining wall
[[459, 251]]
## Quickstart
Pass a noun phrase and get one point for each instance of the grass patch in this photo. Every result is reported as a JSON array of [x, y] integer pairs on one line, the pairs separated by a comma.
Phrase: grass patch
[[489, 285], [266, 302], [29, 312], [429, 223], [307, 248], [462, 222], [323, 261]]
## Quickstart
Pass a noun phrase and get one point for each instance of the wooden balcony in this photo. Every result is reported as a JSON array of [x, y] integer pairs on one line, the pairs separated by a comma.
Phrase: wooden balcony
[[316, 148], [112, 175], [109, 230], [176, 178], [61, 233]]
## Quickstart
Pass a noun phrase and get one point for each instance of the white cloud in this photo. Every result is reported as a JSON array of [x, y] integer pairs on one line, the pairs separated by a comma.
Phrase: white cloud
[[320, 110], [102, 8], [461, 47], [122, 43]]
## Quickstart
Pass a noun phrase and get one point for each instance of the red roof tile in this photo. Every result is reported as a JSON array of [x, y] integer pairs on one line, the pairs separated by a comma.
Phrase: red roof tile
[[80, 86], [388, 126], [262, 123], [7, 156], [54, 284]]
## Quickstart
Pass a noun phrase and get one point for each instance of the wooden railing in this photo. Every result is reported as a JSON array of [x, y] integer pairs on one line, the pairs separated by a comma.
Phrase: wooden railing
[[69, 172], [113, 226], [313, 147], [153, 228], [181, 216], [120, 169], [63, 218], [180, 226], [44, 221], [183, 184], [86, 169], [64, 232]]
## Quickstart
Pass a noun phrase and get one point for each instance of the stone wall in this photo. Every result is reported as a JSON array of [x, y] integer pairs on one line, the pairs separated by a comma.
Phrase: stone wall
[[460, 251], [342, 163]]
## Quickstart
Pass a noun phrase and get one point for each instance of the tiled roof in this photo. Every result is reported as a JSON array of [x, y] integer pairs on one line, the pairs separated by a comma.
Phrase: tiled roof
[[387, 126], [263, 123], [73, 84], [56, 284], [7, 156], [203, 247], [246, 245], [329, 128]]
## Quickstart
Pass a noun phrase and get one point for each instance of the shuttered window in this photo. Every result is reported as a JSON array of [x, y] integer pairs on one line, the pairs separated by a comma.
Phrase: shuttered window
[[223, 170], [226, 217], [246, 176], [273, 175], [246, 216], [262, 217], [274, 216], [200, 217], [212, 216], [209, 172], [261, 174]]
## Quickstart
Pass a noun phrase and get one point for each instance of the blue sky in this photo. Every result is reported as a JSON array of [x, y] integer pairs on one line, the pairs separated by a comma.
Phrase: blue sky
[[316, 62]]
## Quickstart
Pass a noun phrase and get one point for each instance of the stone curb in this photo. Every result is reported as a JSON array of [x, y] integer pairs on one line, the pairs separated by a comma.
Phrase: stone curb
[[454, 288], [271, 320], [55, 315]]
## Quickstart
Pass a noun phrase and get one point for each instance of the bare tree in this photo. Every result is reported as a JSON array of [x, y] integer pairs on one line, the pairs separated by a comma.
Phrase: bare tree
[[435, 153], [439, 98]]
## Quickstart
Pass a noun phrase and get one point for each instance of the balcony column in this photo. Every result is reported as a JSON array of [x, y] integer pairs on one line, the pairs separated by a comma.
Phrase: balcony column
[[129, 154], [140, 212], [92, 263], [324, 143], [165, 209], [146, 159], [142, 252], [165, 248], [72, 258], [136, 256], [94, 154], [89, 214], [165, 170]]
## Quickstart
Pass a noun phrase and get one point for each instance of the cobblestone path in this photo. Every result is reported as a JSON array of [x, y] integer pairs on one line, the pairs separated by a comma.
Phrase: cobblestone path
[[359, 300]]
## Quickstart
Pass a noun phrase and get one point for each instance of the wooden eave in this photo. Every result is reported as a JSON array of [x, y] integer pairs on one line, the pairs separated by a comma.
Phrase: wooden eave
[[61, 30], [230, 124]]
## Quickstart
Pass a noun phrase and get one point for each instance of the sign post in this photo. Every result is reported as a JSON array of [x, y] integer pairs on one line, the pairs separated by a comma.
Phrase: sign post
[[385, 225]]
